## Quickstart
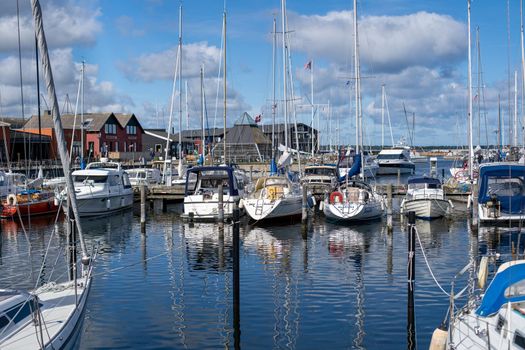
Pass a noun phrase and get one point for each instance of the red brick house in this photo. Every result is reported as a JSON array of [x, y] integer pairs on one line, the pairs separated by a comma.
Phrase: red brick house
[[103, 132]]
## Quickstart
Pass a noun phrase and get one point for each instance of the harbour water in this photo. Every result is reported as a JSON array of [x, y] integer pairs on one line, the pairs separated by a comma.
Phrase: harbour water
[[338, 287]]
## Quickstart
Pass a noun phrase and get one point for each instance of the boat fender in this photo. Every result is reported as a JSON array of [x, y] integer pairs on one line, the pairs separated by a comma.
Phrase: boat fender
[[108, 203], [335, 195], [311, 201], [321, 205], [55, 201], [11, 199], [483, 272], [469, 204], [241, 203], [439, 339]]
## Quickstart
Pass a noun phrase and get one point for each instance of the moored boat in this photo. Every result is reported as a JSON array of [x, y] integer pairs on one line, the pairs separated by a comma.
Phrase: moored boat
[[426, 198], [28, 203]]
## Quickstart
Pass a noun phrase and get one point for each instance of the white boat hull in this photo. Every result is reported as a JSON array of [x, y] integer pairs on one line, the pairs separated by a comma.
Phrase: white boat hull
[[265, 209], [426, 208], [199, 208], [349, 211], [103, 205], [491, 215]]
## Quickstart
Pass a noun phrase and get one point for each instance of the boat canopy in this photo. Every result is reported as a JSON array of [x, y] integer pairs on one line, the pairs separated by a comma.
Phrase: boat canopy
[[423, 180], [505, 181], [213, 175], [506, 286]]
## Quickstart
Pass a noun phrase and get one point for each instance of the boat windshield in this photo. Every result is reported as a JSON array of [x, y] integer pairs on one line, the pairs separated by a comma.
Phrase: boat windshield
[[90, 178], [390, 156], [505, 187], [320, 171], [137, 174], [273, 182]]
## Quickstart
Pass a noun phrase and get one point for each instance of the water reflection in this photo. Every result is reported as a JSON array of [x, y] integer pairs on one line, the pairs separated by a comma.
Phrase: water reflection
[[502, 240]]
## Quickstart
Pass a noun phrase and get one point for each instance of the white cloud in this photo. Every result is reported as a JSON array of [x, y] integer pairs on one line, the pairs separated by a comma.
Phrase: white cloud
[[387, 43]]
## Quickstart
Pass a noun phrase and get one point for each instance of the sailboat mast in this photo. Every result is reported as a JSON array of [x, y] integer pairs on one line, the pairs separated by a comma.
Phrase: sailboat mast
[[312, 101], [180, 86], [471, 151], [515, 139], [522, 68], [274, 105], [203, 143], [285, 85], [48, 75], [38, 101], [224, 86], [82, 116], [382, 116], [356, 73]]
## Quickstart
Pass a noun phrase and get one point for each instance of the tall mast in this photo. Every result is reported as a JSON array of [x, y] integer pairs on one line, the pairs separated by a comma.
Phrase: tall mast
[[357, 84], [82, 115], [274, 105], [203, 143], [283, 15], [382, 116], [515, 138], [522, 68], [180, 89], [48, 75], [479, 85], [311, 62], [38, 101], [471, 151], [224, 82]]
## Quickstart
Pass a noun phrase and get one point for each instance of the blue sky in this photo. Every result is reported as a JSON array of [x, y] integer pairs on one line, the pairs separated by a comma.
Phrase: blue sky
[[418, 49]]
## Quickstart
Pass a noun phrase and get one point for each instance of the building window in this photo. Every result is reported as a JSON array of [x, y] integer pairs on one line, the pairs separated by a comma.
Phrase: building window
[[110, 128], [158, 148], [116, 146], [131, 129]]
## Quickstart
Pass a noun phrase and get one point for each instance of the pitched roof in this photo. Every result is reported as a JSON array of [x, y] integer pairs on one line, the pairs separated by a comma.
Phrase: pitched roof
[[94, 121], [245, 119], [246, 134]]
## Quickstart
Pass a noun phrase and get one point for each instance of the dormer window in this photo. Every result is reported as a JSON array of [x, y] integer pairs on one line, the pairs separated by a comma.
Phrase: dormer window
[[110, 128], [131, 129]]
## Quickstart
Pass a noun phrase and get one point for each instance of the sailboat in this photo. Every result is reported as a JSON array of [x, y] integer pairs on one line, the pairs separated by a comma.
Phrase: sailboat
[[275, 196], [48, 317], [354, 200]]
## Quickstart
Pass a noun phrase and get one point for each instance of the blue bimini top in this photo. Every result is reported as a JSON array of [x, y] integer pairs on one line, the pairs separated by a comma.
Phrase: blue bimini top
[[497, 293], [511, 195]]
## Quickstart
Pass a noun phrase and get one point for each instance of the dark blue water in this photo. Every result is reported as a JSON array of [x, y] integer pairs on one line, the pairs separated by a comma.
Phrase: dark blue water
[[337, 287]]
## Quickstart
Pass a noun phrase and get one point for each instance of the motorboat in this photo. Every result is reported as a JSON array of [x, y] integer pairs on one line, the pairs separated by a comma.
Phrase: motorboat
[[273, 197], [426, 198], [320, 179], [354, 200], [143, 176], [201, 198], [501, 196], [101, 188], [395, 160], [492, 319]]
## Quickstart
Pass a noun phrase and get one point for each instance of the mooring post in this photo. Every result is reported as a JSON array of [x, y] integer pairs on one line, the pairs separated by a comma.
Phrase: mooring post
[[251, 173], [398, 177], [164, 205], [236, 282], [220, 211], [142, 208], [304, 213], [389, 226], [411, 329]]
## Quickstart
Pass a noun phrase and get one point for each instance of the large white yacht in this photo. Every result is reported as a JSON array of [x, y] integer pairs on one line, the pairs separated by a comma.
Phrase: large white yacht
[[395, 160], [101, 188]]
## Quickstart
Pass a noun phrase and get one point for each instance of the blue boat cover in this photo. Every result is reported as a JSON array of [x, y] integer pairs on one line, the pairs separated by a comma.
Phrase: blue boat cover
[[495, 297], [423, 180], [514, 204], [273, 167], [354, 170]]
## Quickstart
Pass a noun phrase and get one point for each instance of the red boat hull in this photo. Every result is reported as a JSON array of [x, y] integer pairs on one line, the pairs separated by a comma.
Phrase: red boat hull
[[40, 207]]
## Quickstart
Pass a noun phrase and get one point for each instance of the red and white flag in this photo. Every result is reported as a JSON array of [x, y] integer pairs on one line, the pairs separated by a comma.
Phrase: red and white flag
[[308, 65], [258, 118]]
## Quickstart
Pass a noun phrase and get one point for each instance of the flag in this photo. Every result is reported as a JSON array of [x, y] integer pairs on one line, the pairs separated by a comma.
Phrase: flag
[[347, 82], [308, 65], [258, 118], [475, 98]]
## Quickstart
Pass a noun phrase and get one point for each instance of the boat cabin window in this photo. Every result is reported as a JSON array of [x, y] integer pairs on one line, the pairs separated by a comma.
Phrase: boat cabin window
[[515, 290], [505, 186], [519, 340], [320, 171], [90, 178], [125, 181], [213, 183], [114, 180], [16, 314], [390, 156]]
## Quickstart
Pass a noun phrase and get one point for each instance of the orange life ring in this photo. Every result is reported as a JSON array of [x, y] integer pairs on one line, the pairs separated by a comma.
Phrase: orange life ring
[[335, 194]]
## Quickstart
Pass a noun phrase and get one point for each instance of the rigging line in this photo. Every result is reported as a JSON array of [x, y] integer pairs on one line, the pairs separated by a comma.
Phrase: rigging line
[[130, 265], [21, 82], [218, 81], [75, 117]]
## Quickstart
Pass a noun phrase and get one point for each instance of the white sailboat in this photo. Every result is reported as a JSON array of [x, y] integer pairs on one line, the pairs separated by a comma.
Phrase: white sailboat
[[354, 200], [48, 317]]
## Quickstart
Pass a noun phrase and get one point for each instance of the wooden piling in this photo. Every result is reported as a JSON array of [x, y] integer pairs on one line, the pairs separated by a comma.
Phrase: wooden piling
[[474, 195], [398, 177], [389, 225], [142, 208], [220, 209], [411, 274], [236, 280]]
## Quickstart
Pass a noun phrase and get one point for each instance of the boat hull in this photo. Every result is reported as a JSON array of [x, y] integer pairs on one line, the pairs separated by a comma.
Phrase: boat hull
[[44, 207], [103, 205], [395, 168], [265, 209], [350, 212], [196, 207], [426, 208]]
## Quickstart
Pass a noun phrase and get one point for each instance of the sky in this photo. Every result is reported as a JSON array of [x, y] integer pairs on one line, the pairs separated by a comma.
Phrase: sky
[[417, 50]]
